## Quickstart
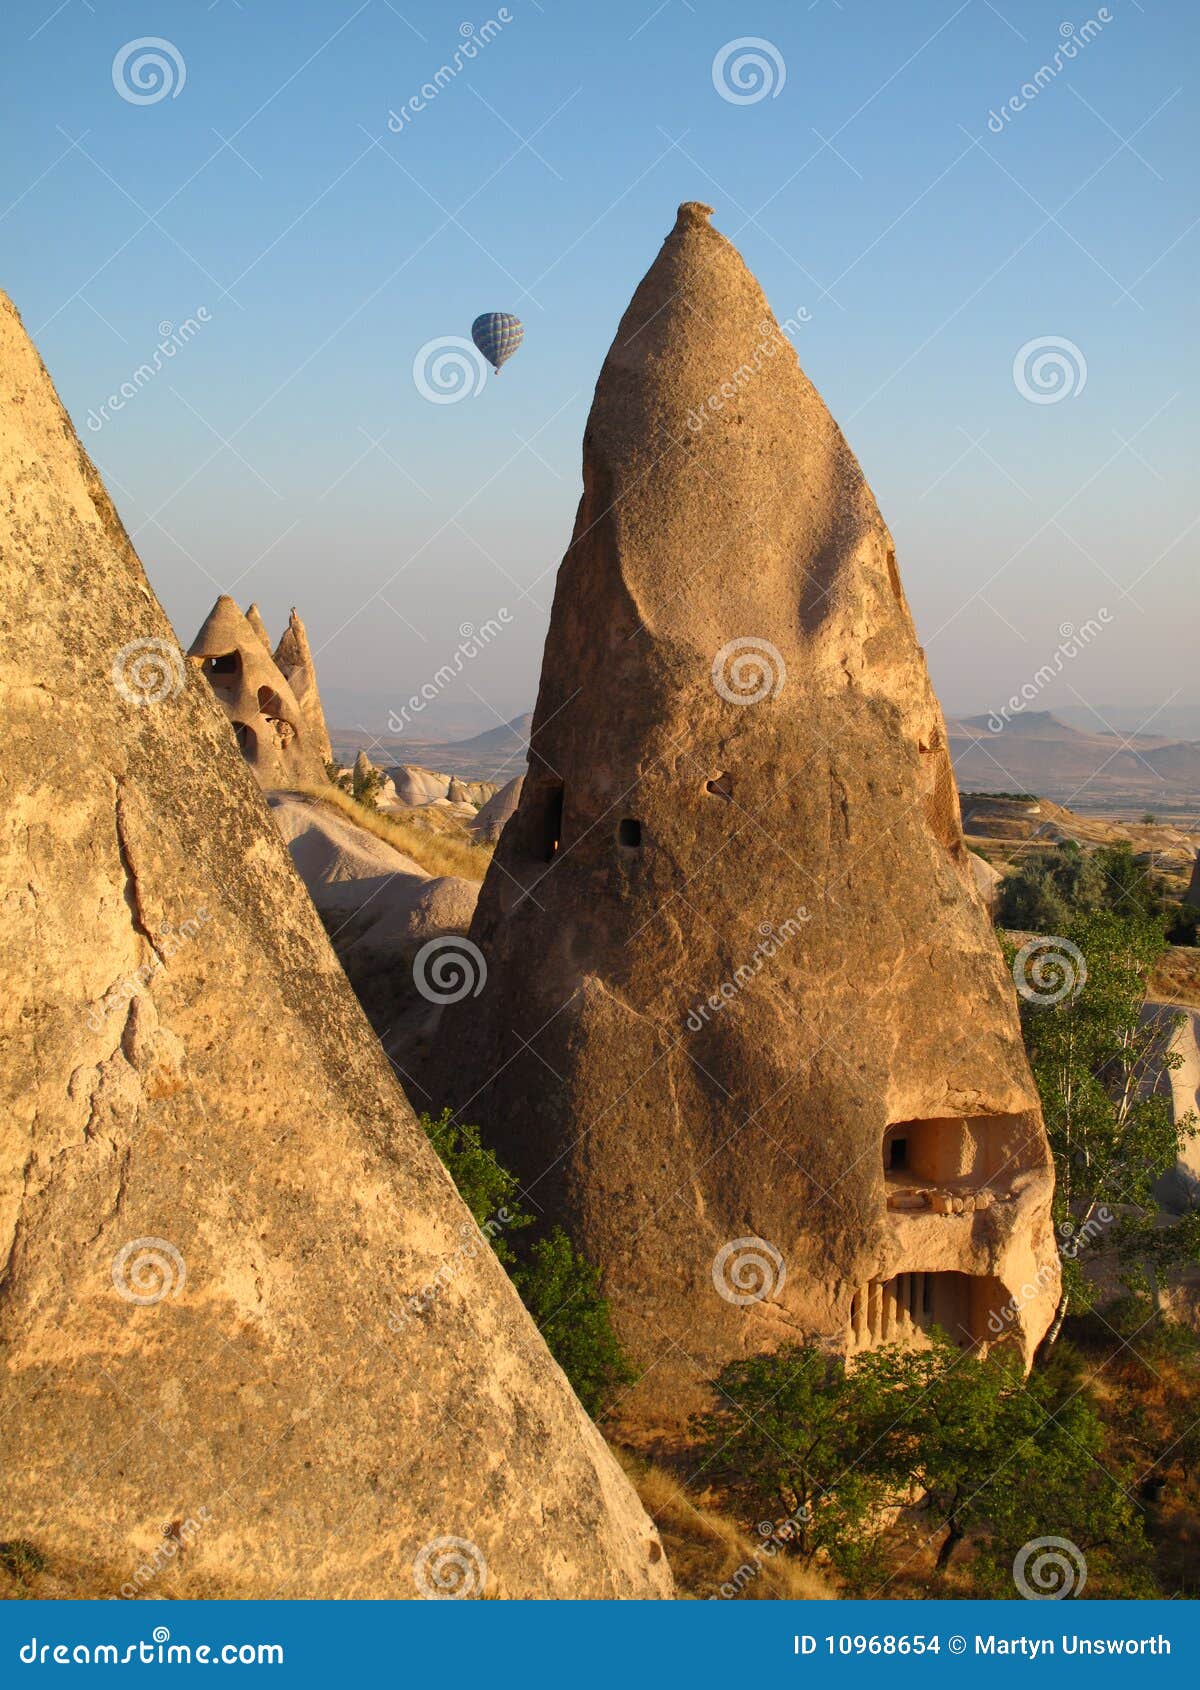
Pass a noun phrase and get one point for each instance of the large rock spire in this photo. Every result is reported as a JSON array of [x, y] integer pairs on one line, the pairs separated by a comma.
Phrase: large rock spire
[[240, 1301], [746, 1027]]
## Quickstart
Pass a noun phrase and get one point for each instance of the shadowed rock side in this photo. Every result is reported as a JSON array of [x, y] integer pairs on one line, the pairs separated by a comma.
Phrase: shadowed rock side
[[294, 658], [267, 719], [238, 1288], [733, 915]]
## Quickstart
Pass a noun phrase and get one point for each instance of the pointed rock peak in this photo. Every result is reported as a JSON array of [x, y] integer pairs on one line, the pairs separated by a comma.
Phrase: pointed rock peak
[[293, 647], [254, 618], [215, 1203], [224, 629], [693, 213]]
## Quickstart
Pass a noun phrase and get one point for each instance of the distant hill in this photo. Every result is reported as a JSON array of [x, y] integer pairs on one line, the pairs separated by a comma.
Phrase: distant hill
[[497, 754], [1037, 751]]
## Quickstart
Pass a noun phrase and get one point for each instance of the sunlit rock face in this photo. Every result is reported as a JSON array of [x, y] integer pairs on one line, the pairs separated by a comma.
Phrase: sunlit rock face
[[294, 659], [270, 726], [240, 1297], [746, 1029]]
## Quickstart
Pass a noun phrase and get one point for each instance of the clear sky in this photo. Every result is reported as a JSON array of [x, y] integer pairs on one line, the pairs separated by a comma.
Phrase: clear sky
[[883, 182]]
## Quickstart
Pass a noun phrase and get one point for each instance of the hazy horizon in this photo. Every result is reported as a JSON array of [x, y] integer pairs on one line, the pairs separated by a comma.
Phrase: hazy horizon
[[286, 454]]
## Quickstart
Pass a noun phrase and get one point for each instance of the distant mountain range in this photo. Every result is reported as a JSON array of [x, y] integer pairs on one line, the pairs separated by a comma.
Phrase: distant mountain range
[[1036, 751], [497, 754], [1039, 752]]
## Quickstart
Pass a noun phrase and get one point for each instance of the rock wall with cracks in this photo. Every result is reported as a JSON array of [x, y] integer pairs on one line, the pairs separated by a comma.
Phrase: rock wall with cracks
[[237, 1288]]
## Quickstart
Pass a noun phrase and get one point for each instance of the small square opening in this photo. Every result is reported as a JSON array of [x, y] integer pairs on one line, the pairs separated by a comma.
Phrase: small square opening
[[630, 832]]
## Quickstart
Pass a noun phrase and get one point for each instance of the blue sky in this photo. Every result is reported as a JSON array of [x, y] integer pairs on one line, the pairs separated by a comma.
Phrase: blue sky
[[286, 454]]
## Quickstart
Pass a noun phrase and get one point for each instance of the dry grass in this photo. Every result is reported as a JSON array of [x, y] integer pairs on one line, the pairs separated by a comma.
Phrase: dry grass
[[710, 1554], [1176, 976], [438, 852]]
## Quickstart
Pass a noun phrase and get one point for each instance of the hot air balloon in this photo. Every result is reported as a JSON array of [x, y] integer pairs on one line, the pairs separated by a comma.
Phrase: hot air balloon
[[497, 334]]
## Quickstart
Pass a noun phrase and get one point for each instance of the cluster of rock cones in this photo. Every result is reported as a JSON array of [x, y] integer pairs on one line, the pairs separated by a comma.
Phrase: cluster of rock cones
[[216, 1208]]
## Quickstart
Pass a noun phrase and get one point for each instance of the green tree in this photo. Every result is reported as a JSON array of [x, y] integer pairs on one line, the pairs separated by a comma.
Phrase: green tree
[[1005, 1460], [993, 1458], [558, 1286], [562, 1292], [490, 1192], [1095, 1061], [790, 1432]]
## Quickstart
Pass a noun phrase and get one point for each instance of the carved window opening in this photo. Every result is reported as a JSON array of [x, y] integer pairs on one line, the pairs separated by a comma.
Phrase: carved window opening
[[629, 833], [551, 824], [223, 671], [955, 1165]]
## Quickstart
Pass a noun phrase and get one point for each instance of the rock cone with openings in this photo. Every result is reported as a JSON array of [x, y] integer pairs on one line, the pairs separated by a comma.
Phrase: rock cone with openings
[[238, 1288], [747, 1030], [268, 721]]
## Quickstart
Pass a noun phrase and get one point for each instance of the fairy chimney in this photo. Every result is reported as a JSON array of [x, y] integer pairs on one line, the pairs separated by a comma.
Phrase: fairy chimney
[[294, 658], [254, 617], [239, 1292], [746, 1028], [268, 721]]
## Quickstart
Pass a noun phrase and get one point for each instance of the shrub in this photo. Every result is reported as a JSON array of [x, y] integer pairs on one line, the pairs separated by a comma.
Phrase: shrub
[[558, 1286]]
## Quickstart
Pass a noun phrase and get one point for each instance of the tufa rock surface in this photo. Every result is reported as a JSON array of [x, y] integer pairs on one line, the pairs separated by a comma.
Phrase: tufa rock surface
[[294, 659], [746, 1028], [238, 1290], [254, 617], [268, 723]]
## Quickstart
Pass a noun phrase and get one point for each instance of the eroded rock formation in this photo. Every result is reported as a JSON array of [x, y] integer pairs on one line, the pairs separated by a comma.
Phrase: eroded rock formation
[[746, 1029], [294, 659], [238, 1289], [254, 617], [268, 723]]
